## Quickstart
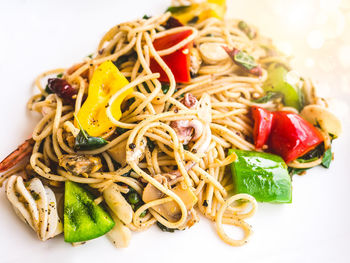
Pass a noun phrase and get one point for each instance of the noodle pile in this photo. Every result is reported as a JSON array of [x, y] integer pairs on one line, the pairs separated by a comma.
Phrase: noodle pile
[[225, 94]]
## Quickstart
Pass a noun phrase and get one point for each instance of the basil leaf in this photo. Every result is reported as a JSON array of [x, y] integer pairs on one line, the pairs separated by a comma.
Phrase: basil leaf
[[270, 95], [242, 25], [293, 171], [178, 9], [245, 60], [307, 160], [83, 141], [327, 158], [146, 17], [165, 88], [166, 229], [121, 130], [59, 75]]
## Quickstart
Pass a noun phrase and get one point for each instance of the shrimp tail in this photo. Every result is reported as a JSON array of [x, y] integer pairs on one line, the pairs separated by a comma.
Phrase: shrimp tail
[[17, 155]]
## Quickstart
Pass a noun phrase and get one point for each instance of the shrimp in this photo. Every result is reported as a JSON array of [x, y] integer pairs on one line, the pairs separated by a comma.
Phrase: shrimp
[[17, 155]]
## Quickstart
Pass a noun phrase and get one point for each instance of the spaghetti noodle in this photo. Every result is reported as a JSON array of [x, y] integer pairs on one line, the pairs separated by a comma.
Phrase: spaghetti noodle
[[156, 157]]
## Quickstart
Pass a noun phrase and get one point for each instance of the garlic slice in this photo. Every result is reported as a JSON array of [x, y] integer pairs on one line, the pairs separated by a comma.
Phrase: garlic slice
[[35, 204], [212, 52]]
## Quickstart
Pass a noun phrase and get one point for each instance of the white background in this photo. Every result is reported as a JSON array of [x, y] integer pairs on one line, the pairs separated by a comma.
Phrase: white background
[[40, 35]]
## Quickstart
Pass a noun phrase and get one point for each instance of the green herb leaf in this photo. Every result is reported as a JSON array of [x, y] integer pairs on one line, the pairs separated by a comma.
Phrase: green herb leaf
[[307, 160], [84, 141], [165, 88], [242, 25], [327, 158], [178, 9], [150, 144], [313, 154], [120, 130], [270, 95], [90, 55], [146, 17], [245, 60], [293, 171], [193, 20], [59, 75], [48, 90], [166, 229]]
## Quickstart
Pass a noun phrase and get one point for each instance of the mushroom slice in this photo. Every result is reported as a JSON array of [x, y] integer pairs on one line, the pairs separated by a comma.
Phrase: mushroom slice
[[117, 203], [120, 235], [37, 191], [212, 52], [118, 153], [328, 122], [170, 210]]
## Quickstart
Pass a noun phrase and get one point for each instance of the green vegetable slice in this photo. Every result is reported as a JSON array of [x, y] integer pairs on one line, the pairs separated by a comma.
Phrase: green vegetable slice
[[327, 158], [84, 141], [178, 9], [262, 175], [83, 219], [245, 60], [270, 95], [277, 82]]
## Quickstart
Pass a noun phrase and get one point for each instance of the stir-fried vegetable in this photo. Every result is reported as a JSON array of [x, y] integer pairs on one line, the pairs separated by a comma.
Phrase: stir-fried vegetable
[[262, 127], [262, 175], [243, 26], [83, 219], [198, 12], [178, 61], [277, 81], [327, 158], [290, 136], [105, 82], [84, 141], [244, 60]]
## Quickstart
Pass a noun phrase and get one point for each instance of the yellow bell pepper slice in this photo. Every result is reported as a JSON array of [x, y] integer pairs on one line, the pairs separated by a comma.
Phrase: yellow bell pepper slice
[[105, 82], [199, 12]]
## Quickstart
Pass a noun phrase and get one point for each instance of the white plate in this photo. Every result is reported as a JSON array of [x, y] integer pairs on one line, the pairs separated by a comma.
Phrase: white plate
[[40, 35]]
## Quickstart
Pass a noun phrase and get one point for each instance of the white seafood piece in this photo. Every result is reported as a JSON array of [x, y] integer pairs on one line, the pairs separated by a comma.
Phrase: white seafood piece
[[120, 235], [117, 203], [317, 114], [36, 205], [212, 52]]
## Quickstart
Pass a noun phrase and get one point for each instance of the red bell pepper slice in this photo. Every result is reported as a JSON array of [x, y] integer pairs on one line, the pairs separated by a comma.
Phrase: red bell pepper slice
[[286, 133], [291, 136], [178, 62], [262, 125]]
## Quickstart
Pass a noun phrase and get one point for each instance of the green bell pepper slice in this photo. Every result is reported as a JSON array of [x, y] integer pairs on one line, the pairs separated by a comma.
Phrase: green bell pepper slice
[[277, 82], [83, 219], [262, 175]]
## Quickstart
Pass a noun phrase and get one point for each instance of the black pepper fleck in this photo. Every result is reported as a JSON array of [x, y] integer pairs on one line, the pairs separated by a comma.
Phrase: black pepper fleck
[[132, 146]]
